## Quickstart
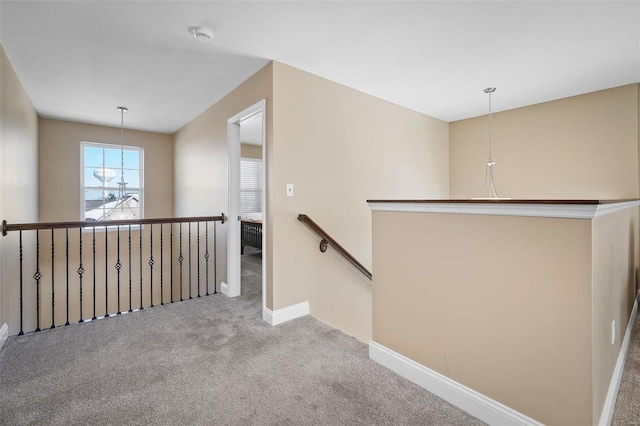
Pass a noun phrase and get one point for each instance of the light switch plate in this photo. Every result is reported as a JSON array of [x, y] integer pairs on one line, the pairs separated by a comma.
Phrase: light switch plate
[[289, 190]]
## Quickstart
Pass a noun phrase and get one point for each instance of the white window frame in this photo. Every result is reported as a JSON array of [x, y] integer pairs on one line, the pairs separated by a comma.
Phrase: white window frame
[[118, 147]]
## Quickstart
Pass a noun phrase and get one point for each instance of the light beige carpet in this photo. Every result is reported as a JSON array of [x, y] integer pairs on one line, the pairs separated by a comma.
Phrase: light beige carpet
[[208, 361]]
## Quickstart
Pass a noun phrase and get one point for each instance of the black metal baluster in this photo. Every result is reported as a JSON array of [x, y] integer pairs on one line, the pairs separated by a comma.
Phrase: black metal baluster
[[151, 261], [161, 269], [21, 305], [206, 255], [198, 257], [118, 267], [141, 307], [171, 260], [190, 261], [106, 272], [37, 276], [80, 273], [94, 273], [130, 269], [66, 252], [53, 283], [215, 260], [181, 259]]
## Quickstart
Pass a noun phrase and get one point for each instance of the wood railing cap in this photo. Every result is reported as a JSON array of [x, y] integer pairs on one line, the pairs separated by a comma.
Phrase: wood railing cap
[[6, 227]]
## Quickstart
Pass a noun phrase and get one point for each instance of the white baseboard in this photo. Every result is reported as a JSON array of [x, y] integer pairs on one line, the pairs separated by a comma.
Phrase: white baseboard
[[285, 314], [616, 378], [474, 403], [4, 333], [228, 290]]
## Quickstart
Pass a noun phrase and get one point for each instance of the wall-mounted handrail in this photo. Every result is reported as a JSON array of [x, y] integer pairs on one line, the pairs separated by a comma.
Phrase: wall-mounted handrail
[[327, 240]]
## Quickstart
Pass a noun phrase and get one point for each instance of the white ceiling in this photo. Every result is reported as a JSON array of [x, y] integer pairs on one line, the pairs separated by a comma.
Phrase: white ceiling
[[80, 60]]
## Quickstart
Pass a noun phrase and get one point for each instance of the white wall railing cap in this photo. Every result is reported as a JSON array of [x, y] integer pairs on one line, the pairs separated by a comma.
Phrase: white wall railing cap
[[570, 209]]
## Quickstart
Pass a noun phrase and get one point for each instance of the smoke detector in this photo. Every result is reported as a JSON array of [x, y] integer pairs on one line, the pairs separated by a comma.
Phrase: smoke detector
[[202, 34]]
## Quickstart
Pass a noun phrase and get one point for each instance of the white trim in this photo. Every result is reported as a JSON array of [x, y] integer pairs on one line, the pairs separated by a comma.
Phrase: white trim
[[569, 211], [267, 316], [604, 209], [4, 334], [285, 314], [265, 224], [616, 378], [233, 235], [475, 403], [224, 288]]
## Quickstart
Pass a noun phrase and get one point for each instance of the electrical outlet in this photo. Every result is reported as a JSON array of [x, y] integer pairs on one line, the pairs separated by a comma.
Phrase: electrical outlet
[[613, 332]]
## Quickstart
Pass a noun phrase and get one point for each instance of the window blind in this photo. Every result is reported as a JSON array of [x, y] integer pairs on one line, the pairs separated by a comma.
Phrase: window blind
[[251, 186]]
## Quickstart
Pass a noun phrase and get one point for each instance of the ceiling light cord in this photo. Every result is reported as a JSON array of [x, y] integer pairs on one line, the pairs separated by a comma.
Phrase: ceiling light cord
[[489, 91]]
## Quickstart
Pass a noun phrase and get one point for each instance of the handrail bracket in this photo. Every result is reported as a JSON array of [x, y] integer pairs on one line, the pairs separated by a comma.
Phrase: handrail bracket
[[327, 240]]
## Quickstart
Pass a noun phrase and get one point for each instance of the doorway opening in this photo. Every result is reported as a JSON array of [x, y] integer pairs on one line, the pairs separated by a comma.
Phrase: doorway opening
[[247, 206], [251, 205]]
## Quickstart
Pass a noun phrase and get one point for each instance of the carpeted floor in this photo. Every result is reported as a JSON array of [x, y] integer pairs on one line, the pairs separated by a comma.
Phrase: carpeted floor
[[207, 361]]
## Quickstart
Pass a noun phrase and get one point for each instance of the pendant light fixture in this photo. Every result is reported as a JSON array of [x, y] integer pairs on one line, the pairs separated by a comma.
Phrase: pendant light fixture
[[488, 191]]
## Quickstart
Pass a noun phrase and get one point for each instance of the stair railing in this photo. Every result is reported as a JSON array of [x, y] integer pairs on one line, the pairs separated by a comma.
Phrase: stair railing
[[127, 265], [327, 241]]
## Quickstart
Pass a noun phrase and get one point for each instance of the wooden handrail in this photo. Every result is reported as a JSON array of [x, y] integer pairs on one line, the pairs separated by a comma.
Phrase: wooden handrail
[[327, 240], [6, 227]]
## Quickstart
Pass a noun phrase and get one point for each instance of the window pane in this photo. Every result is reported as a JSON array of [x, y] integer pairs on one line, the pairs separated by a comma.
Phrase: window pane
[[95, 176], [132, 159], [116, 180], [132, 177], [126, 208], [105, 205], [131, 212], [93, 204], [92, 156], [102, 173], [112, 158]]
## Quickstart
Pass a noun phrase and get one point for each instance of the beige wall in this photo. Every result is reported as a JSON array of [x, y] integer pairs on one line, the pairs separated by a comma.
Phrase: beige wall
[[18, 172], [201, 160], [59, 154], [583, 147], [250, 151], [340, 147], [615, 262], [499, 304]]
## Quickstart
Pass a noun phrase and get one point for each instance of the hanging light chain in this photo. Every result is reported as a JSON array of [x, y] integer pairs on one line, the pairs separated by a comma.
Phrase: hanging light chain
[[122, 109], [489, 91], [122, 183]]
